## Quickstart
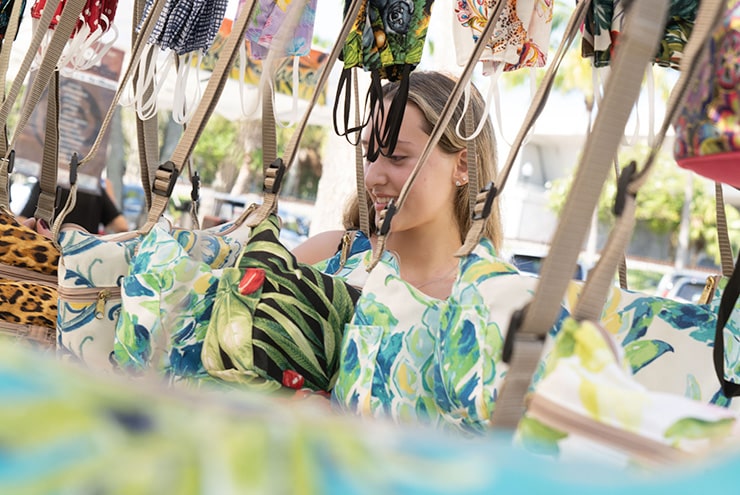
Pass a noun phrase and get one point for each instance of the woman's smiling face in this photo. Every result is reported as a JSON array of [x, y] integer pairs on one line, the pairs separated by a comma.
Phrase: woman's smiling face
[[431, 199]]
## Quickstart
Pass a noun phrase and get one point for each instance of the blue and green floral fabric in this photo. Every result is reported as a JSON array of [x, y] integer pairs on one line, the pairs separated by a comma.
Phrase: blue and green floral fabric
[[668, 344], [416, 358], [167, 298], [92, 270]]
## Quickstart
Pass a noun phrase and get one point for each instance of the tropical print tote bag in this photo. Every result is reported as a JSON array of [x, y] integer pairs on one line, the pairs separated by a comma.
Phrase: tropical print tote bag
[[276, 322]]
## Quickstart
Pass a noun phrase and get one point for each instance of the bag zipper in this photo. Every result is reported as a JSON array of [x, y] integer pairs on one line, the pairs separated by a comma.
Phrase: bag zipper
[[98, 295], [17, 274]]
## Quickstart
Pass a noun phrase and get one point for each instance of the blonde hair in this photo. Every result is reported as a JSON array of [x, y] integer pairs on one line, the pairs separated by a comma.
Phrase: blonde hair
[[429, 91]]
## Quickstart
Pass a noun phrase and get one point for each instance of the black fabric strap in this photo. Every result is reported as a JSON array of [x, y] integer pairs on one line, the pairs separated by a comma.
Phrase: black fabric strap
[[729, 299]]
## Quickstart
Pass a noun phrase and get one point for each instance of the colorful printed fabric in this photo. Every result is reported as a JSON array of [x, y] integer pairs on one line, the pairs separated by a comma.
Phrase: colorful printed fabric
[[91, 273], [166, 303], [186, 26], [334, 266], [587, 393], [415, 358], [387, 40], [388, 35], [521, 37], [97, 14], [277, 322], [668, 344], [604, 23], [68, 430], [268, 19], [708, 126]]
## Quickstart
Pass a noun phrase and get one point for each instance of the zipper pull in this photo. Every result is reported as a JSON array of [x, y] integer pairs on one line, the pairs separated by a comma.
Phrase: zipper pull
[[103, 297]]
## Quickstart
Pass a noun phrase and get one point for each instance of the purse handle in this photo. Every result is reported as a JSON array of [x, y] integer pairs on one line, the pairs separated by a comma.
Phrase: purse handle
[[64, 29], [280, 165], [596, 289], [75, 163], [525, 337]]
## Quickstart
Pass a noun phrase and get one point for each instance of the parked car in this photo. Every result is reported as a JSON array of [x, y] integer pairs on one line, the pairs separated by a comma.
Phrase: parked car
[[668, 285], [531, 264], [687, 289]]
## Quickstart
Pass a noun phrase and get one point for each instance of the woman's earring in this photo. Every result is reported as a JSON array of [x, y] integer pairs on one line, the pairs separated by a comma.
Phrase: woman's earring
[[457, 183], [464, 179]]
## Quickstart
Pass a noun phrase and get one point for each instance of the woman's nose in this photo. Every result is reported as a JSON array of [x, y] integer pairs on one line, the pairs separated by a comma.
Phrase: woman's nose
[[374, 173]]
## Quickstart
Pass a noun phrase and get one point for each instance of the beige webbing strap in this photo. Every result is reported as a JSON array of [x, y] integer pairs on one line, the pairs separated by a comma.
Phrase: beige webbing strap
[[269, 124], [643, 28], [596, 290], [50, 159], [543, 90], [30, 103], [472, 160], [270, 192], [445, 116], [166, 174], [38, 37], [62, 33], [146, 130], [727, 260], [146, 29], [46, 72], [7, 45], [360, 163]]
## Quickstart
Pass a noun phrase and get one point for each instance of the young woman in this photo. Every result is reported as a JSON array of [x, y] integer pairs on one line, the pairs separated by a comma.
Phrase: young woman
[[434, 220]]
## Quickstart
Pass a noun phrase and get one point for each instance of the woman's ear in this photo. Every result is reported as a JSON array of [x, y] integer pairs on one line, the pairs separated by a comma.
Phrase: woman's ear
[[461, 168]]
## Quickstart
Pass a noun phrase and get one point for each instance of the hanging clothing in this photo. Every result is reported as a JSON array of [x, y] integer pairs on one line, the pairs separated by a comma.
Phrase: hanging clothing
[[187, 26], [521, 37], [268, 20], [604, 23], [387, 40]]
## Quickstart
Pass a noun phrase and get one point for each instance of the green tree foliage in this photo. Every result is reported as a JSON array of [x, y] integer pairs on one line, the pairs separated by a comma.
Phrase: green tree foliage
[[220, 145], [660, 202]]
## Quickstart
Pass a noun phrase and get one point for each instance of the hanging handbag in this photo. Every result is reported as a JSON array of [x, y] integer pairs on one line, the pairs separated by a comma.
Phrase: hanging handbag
[[708, 126], [277, 322], [92, 267], [588, 405]]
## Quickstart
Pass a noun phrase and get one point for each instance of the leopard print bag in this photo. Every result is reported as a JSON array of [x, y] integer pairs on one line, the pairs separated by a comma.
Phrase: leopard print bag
[[28, 280]]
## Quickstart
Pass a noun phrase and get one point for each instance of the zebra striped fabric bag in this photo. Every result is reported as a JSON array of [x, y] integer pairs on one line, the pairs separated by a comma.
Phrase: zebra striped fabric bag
[[276, 321]]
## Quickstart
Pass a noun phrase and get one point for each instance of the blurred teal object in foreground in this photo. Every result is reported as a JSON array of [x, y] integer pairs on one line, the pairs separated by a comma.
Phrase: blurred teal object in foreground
[[65, 430]]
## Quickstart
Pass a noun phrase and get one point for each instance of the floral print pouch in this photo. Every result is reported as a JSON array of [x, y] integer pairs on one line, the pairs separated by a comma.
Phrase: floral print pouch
[[521, 38], [708, 126]]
